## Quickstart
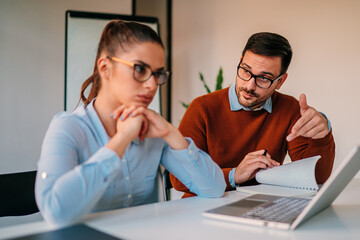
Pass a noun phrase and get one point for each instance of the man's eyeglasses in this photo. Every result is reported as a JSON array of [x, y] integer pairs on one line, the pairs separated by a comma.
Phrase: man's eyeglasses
[[142, 72], [260, 81]]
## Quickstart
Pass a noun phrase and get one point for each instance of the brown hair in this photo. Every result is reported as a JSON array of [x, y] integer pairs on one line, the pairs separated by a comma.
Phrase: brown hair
[[116, 35], [270, 44]]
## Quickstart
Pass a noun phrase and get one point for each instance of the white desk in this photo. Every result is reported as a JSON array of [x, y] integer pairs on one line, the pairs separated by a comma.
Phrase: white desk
[[182, 219]]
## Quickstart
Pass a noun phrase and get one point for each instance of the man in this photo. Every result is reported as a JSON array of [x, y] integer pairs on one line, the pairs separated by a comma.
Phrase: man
[[237, 125]]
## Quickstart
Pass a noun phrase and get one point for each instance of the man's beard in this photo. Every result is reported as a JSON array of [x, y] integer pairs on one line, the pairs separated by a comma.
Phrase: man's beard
[[250, 92], [256, 103]]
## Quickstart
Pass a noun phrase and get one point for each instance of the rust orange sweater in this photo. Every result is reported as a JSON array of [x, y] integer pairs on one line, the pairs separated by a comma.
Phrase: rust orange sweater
[[227, 136]]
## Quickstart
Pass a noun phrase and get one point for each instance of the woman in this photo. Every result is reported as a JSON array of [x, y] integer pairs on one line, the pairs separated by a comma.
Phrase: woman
[[106, 153]]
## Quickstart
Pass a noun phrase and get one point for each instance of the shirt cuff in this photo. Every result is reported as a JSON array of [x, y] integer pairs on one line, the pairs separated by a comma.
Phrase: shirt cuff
[[192, 151], [232, 178], [328, 122]]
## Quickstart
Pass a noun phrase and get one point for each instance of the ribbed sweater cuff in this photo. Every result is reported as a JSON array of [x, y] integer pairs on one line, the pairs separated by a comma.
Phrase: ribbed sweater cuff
[[323, 141]]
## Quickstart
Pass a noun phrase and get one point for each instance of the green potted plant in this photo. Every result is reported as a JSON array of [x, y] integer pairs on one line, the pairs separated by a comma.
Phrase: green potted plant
[[219, 81]]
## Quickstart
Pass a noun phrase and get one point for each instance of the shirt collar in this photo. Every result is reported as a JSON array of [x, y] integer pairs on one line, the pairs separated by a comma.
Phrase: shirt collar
[[236, 106]]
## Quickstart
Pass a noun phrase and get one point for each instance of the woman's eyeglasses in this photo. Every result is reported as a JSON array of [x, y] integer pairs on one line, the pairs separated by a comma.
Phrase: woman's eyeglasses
[[142, 72]]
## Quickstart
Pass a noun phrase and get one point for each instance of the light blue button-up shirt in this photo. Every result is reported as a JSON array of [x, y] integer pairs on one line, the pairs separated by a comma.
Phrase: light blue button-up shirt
[[78, 175]]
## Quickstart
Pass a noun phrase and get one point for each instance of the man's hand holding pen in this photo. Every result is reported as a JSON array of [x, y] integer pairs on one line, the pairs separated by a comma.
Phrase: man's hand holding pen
[[252, 163]]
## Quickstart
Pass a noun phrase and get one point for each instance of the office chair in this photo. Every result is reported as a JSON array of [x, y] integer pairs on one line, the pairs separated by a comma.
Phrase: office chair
[[167, 184], [17, 195]]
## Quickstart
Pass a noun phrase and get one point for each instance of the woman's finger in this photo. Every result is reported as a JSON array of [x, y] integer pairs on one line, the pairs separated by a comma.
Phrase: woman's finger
[[126, 113], [137, 111], [117, 112]]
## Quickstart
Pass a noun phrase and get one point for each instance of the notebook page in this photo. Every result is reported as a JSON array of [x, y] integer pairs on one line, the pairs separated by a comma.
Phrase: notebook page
[[276, 190], [299, 174]]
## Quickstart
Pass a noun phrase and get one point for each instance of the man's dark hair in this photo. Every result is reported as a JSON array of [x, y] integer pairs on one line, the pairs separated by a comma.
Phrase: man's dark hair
[[270, 44]]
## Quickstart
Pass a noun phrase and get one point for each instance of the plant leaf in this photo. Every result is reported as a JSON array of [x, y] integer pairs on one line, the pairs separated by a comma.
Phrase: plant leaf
[[184, 105], [219, 80], [205, 85]]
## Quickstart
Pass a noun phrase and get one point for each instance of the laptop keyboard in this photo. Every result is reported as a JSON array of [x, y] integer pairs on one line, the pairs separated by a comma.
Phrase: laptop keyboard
[[280, 210]]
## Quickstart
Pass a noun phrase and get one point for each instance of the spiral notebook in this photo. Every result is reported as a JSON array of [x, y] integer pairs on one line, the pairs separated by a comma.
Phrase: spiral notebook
[[295, 179]]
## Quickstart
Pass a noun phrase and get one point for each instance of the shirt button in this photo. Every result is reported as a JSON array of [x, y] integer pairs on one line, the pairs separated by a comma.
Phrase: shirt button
[[124, 160], [127, 178], [44, 175], [129, 196], [190, 151]]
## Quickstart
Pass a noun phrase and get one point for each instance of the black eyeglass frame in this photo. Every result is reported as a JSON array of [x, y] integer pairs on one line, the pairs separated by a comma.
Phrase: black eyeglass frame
[[134, 65], [256, 76]]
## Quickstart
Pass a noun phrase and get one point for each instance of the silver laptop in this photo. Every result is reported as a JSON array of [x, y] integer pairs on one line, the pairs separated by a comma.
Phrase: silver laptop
[[289, 212]]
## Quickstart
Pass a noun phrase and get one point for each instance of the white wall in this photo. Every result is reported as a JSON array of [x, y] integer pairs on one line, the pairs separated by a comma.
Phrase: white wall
[[324, 35], [207, 34], [32, 52]]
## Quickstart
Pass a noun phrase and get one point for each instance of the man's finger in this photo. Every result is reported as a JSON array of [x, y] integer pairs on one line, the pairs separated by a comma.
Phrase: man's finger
[[317, 131], [261, 159], [296, 129], [303, 104], [305, 118], [320, 134], [256, 153], [291, 137]]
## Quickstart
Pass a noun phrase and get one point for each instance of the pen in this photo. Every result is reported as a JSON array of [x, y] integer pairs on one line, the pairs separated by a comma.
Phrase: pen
[[264, 154]]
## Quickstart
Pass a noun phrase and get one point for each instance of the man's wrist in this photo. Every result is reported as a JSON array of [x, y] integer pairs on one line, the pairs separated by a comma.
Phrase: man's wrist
[[328, 121], [232, 178]]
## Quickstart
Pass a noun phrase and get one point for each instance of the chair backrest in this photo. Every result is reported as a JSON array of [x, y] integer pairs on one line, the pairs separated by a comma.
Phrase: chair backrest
[[17, 195], [167, 185]]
